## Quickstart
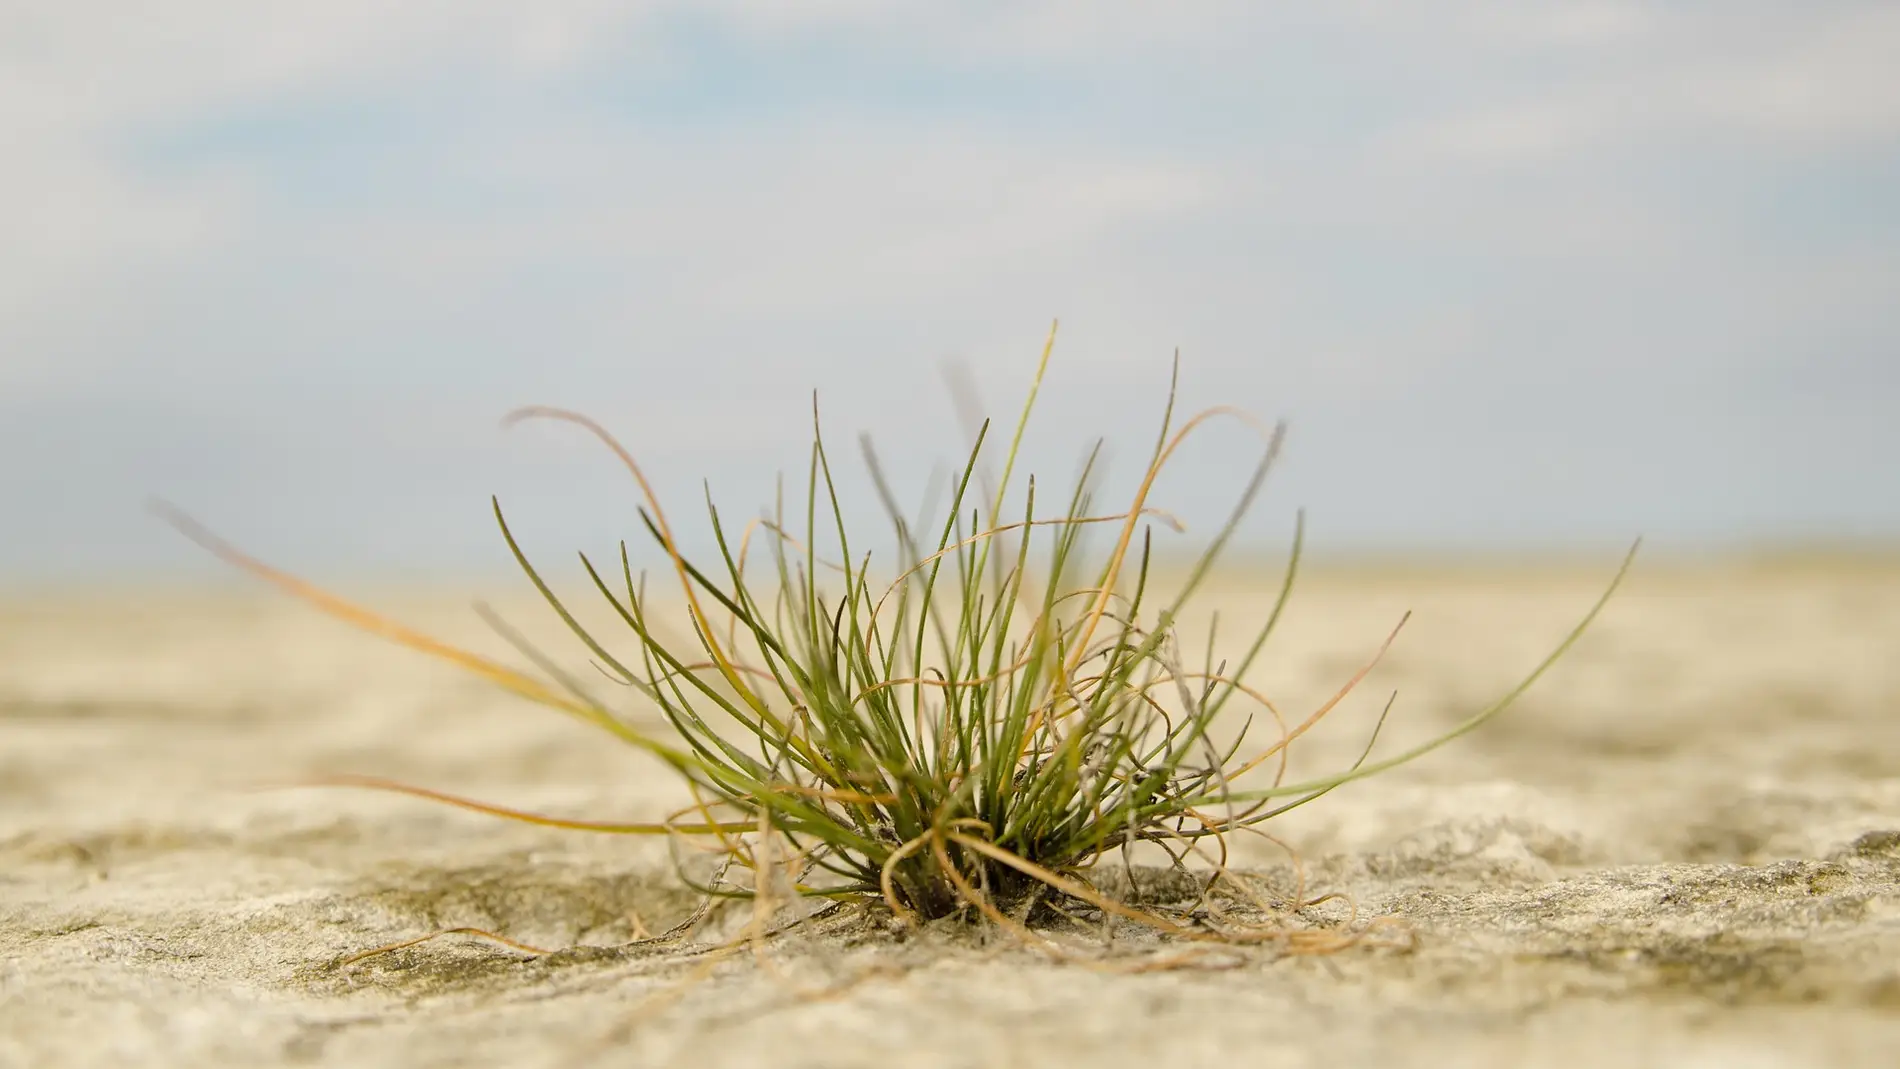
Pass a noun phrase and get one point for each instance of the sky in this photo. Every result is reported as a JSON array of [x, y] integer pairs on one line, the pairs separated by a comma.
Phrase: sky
[[1520, 277]]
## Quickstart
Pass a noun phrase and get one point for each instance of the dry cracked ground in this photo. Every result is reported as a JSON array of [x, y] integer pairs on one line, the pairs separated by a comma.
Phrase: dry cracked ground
[[1682, 848]]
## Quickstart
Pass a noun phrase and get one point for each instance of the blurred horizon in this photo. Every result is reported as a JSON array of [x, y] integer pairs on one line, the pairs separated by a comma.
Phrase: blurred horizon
[[1526, 282]]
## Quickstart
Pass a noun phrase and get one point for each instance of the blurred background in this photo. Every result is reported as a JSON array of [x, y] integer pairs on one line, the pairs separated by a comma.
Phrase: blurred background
[[1524, 278]]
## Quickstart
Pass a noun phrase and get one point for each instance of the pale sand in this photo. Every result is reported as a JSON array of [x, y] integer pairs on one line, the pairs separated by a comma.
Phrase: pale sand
[[1683, 848]]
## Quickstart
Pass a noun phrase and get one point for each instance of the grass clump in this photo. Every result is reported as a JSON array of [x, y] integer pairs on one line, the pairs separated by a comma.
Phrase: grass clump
[[971, 731]]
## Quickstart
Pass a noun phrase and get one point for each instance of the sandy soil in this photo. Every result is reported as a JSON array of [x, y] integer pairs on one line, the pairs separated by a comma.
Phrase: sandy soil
[[1682, 849]]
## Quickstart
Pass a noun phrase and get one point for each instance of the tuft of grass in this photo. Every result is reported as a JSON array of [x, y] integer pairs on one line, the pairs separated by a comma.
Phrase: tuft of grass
[[970, 731]]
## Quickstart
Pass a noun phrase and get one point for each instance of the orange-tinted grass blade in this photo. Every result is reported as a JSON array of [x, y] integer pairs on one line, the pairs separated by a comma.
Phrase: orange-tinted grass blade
[[981, 901], [1067, 886], [1321, 712], [1364, 753], [1100, 901], [887, 878], [1275, 438], [1035, 625], [1242, 688], [650, 828], [666, 536], [371, 622], [1057, 521]]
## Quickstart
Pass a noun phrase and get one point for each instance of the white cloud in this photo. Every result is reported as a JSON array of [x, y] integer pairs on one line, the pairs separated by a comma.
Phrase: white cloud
[[746, 219], [1810, 77], [1834, 80]]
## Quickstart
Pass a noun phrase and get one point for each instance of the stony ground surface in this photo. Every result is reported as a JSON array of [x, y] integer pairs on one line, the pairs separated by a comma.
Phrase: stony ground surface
[[1683, 848]]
